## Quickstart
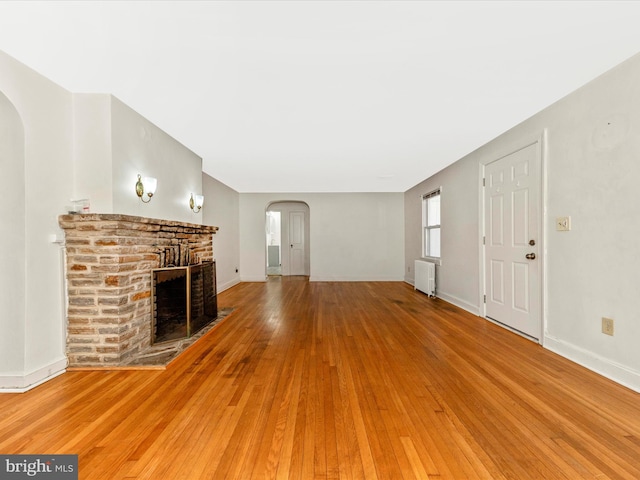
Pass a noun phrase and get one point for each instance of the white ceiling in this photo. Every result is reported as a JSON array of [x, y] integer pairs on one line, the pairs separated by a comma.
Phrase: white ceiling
[[325, 96]]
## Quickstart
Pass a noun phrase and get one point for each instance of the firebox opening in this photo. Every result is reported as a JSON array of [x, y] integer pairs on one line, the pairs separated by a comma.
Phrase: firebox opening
[[184, 301]]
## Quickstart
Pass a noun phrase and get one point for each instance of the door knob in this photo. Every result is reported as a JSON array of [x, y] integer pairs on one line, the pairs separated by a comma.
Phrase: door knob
[[530, 256]]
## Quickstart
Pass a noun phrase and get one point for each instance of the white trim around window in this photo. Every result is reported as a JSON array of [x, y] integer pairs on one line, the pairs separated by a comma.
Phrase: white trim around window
[[431, 228]]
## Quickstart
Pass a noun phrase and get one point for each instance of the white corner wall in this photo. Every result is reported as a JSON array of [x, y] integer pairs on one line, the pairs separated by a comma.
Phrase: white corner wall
[[45, 111], [353, 236], [591, 164], [222, 209]]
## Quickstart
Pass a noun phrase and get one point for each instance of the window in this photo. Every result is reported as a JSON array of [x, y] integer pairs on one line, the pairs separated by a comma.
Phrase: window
[[431, 224]]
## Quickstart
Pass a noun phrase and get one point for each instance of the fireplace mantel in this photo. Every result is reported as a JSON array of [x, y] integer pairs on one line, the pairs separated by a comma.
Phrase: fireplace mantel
[[109, 258], [67, 221]]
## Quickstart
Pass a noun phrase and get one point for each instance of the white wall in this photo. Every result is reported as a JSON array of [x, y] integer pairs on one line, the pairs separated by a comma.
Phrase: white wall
[[353, 236], [45, 111], [221, 209], [139, 147], [93, 177], [592, 168]]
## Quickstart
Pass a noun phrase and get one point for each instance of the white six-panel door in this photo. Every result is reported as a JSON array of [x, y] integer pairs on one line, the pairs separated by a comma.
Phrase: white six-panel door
[[512, 240], [296, 243]]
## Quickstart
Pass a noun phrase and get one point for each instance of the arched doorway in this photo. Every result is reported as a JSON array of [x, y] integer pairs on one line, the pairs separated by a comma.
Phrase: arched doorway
[[287, 238], [12, 230]]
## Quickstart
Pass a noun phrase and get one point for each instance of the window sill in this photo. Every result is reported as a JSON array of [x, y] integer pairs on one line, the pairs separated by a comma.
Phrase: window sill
[[436, 260]]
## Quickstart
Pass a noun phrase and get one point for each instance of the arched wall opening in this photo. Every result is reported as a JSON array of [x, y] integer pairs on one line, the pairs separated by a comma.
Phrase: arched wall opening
[[287, 243], [12, 232]]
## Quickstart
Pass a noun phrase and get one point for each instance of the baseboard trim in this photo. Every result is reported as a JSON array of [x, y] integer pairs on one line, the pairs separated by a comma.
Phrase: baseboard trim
[[459, 303], [321, 278], [256, 278], [24, 383], [453, 300], [227, 285], [602, 366]]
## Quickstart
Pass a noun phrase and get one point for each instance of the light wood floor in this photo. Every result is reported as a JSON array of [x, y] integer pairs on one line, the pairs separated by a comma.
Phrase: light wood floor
[[337, 380]]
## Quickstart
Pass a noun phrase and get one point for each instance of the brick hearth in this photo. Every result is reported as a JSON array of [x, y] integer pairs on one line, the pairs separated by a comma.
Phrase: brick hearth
[[109, 263]]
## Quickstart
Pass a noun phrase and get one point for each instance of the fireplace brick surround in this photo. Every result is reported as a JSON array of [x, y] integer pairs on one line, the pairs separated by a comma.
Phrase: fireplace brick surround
[[109, 258]]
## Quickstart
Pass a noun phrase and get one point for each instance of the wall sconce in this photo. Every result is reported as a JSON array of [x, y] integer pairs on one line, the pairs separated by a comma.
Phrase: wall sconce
[[196, 202], [146, 187]]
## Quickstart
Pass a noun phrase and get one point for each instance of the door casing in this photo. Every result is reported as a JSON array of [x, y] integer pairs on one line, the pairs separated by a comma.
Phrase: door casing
[[539, 142]]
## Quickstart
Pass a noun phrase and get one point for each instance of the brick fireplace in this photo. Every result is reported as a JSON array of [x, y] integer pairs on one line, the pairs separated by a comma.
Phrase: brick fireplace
[[109, 258]]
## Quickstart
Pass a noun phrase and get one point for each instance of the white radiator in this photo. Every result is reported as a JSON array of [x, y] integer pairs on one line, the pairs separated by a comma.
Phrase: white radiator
[[425, 277]]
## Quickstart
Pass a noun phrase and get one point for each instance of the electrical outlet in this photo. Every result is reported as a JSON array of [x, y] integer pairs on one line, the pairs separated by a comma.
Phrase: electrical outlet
[[563, 224], [607, 326]]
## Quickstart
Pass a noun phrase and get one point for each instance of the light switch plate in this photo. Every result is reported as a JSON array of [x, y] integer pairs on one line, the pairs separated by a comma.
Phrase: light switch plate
[[607, 326], [563, 224]]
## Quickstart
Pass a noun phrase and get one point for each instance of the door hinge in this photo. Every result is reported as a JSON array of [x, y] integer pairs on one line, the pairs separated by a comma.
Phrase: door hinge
[[484, 182], [483, 239], [485, 299]]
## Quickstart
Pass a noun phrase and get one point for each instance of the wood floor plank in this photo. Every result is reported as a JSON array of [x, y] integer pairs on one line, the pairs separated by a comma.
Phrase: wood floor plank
[[337, 380]]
